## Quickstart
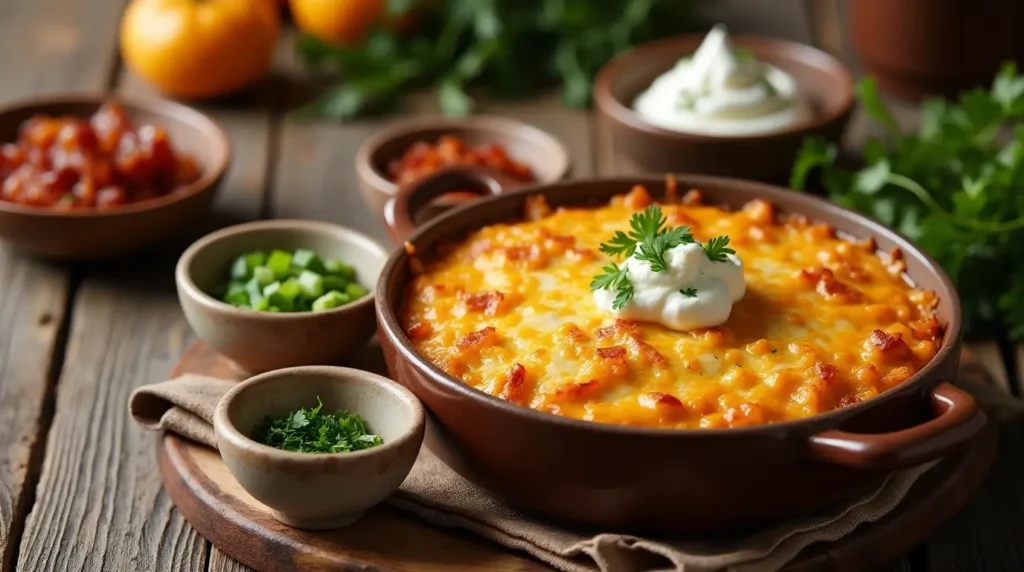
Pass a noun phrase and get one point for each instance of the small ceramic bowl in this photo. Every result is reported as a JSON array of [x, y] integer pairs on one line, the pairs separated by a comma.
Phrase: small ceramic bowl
[[318, 491], [261, 341], [642, 147], [89, 234], [548, 156]]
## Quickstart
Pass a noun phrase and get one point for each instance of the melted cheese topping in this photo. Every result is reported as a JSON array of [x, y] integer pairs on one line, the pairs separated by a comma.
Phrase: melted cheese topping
[[825, 322]]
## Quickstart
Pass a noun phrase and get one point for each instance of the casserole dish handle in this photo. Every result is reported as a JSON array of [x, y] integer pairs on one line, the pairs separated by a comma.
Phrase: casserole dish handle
[[958, 420], [400, 211]]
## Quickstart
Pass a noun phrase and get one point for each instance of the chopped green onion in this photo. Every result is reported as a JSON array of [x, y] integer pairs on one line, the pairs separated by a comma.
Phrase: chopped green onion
[[308, 260], [330, 300], [355, 291], [339, 268], [339, 283], [263, 275], [245, 264], [299, 281], [312, 284], [280, 262]]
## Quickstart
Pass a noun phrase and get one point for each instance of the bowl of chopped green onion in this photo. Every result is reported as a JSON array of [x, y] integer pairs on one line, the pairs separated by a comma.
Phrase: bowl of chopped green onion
[[319, 445], [281, 293]]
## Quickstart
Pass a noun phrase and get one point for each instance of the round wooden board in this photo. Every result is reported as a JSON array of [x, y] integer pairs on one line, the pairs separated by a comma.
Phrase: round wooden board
[[387, 539]]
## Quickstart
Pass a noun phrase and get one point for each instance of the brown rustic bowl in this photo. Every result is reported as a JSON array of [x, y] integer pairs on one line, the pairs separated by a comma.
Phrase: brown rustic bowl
[[318, 491], [261, 341], [641, 146], [90, 234], [916, 47], [548, 156], [665, 480]]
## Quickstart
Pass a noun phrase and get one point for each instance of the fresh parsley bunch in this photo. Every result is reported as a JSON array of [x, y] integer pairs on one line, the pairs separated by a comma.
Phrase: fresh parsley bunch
[[649, 234], [955, 187], [510, 47], [310, 430]]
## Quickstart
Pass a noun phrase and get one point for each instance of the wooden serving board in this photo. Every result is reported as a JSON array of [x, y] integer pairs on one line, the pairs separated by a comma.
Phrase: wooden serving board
[[389, 540]]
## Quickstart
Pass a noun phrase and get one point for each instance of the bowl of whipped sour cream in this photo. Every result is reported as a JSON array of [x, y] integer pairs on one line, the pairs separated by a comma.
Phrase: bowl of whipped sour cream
[[720, 104]]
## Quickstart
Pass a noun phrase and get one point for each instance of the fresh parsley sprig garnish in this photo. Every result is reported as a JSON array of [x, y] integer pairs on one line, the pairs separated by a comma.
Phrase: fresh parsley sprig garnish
[[717, 249], [649, 240], [614, 278]]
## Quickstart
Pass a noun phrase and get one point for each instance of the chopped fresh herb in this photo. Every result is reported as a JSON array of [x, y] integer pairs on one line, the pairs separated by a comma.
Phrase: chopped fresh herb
[[689, 292], [313, 431], [614, 278], [717, 249], [686, 100], [952, 186], [620, 244]]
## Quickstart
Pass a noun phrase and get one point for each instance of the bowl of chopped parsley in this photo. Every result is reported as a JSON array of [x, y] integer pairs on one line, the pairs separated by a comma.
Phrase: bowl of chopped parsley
[[319, 445], [281, 293]]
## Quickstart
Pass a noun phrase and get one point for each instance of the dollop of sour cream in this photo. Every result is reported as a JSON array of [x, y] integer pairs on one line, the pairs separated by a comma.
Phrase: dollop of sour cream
[[720, 91], [713, 289]]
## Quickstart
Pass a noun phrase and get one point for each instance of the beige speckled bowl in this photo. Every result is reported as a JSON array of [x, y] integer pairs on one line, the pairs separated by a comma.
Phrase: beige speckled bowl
[[262, 341], [318, 491]]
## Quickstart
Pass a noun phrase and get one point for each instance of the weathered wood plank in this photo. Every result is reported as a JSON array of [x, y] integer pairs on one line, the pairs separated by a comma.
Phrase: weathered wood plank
[[60, 45], [57, 45], [220, 562], [130, 331]]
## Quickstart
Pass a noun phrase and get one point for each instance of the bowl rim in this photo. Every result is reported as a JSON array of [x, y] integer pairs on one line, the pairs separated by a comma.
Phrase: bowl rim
[[372, 176], [190, 116], [391, 330], [807, 55], [413, 414], [187, 286]]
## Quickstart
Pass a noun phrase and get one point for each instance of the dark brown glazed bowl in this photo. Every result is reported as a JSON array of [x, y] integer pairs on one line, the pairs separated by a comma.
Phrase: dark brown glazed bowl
[[639, 146], [670, 481], [89, 234], [916, 48], [548, 156]]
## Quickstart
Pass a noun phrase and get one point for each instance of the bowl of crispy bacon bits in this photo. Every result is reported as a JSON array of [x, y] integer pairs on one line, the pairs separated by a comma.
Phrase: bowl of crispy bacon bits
[[87, 177], [412, 150]]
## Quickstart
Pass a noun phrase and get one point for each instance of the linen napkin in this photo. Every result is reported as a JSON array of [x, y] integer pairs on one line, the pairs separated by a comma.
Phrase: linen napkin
[[437, 494]]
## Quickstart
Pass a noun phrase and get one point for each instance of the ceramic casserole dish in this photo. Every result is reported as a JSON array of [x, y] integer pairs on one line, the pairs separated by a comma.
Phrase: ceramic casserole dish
[[617, 477]]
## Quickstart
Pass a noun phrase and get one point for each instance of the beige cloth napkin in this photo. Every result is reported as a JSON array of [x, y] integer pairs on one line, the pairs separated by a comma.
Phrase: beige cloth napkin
[[437, 494]]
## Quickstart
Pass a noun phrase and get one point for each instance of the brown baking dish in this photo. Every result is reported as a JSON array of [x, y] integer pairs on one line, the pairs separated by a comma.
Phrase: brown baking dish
[[639, 146], [89, 234], [660, 480]]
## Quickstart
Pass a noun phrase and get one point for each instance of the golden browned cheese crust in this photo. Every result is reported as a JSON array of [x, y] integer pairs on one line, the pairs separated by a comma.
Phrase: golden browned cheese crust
[[825, 322]]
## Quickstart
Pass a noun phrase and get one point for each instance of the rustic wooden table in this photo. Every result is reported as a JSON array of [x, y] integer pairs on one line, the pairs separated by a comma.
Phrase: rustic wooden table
[[78, 484]]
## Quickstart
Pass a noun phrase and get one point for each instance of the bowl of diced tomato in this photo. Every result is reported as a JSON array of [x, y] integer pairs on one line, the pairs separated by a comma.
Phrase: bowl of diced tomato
[[87, 177]]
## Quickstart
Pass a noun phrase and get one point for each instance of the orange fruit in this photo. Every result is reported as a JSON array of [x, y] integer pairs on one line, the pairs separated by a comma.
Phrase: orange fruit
[[344, 22], [193, 49]]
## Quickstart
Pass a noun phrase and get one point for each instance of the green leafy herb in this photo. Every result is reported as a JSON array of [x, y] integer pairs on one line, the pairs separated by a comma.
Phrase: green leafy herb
[[614, 278], [953, 186], [509, 49], [717, 249], [313, 431], [689, 292]]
